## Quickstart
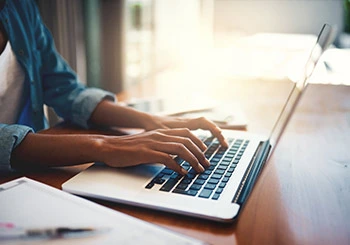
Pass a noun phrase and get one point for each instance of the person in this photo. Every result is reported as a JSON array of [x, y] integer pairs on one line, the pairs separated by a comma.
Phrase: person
[[32, 73]]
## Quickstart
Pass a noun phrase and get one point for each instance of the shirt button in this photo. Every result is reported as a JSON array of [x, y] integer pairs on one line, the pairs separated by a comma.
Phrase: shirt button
[[21, 52], [32, 82]]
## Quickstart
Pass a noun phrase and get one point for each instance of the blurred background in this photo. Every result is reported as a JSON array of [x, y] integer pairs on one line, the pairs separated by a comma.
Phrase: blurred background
[[115, 44]]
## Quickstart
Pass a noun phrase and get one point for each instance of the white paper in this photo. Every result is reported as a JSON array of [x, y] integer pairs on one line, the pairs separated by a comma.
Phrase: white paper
[[29, 204]]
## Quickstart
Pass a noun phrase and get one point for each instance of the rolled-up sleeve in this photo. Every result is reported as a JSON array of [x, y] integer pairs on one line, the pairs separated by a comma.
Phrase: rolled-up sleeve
[[61, 88], [86, 102], [10, 137]]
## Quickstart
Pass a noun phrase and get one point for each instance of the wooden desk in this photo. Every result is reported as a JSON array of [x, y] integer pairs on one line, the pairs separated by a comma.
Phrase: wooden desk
[[303, 193]]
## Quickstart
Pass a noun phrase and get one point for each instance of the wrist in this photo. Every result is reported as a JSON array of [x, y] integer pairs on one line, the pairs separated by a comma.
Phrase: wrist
[[95, 147], [150, 122]]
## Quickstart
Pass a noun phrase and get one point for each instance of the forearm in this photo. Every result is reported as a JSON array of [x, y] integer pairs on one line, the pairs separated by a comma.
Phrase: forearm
[[55, 150], [109, 114]]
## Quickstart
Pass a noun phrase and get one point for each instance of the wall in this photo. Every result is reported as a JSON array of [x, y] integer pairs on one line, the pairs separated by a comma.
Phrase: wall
[[286, 16]]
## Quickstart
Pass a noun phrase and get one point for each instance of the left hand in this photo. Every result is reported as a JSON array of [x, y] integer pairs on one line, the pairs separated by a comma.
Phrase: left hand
[[164, 122]]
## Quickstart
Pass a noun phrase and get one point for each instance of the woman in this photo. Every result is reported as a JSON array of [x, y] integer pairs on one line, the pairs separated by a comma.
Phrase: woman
[[32, 74]]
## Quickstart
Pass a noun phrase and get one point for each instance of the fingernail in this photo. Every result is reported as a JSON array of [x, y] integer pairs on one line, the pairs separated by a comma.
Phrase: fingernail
[[201, 168], [183, 171], [207, 162]]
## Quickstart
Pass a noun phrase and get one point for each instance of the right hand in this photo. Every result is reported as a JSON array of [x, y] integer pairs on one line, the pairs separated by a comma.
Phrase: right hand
[[157, 146]]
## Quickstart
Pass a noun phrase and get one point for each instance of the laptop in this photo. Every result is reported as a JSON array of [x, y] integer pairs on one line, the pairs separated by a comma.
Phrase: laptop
[[217, 194]]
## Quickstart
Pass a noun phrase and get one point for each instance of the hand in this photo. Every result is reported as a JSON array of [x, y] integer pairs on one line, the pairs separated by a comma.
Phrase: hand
[[157, 146], [159, 122], [109, 114]]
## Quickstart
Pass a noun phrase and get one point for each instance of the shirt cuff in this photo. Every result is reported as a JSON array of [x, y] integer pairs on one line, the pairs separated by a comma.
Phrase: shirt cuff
[[86, 102], [11, 137]]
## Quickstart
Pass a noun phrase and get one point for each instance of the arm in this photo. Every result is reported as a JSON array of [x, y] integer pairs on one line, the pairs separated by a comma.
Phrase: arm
[[42, 150], [119, 151]]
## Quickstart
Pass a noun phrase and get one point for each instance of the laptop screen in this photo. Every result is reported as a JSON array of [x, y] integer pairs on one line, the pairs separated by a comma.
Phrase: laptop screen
[[324, 39]]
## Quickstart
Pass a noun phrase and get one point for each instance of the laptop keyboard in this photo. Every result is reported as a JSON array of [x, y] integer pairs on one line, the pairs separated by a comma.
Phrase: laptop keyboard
[[209, 184]]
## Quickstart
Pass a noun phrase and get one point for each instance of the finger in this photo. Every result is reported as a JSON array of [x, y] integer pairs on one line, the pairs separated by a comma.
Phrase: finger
[[184, 132], [180, 150], [168, 161], [186, 138], [203, 123]]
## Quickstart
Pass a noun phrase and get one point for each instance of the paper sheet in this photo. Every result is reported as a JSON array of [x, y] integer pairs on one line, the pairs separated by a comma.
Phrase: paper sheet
[[29, 204]]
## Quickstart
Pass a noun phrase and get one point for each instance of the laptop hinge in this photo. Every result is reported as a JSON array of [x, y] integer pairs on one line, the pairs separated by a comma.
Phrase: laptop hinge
[[252, 172]]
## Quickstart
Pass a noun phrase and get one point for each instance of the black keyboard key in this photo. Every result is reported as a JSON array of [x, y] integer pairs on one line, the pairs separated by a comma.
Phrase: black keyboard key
[[159, 181], [222, 149], [181, 186], [225, 162], [208, 155], [150, 185], [223, 167], [199, 181], [219, 190], [192, 171], [176, 176], [207, 172], [216, 196], [186, 181], [214, 163], [179, 191], [215, 159], [225, 179], [167, 171], [213, 181], [216, 176], [195, 187], [210, 186], [228, 174], [168, 185], [205, 193], [203, 176], [160, 175], [191, 192], [219, 171], [222, 185], [190, 176], [208, 141], [218, 155]]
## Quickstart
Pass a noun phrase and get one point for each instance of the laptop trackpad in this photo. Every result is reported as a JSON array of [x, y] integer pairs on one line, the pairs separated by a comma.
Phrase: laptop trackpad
[[134, 176]]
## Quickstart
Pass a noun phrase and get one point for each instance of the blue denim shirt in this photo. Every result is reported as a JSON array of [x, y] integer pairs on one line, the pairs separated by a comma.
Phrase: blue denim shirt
[[48, 78]]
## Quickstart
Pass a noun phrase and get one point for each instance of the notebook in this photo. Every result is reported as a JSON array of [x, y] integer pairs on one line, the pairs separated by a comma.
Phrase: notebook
[[217, 194]]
